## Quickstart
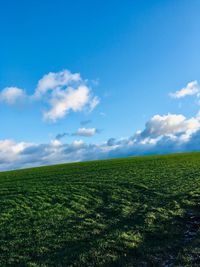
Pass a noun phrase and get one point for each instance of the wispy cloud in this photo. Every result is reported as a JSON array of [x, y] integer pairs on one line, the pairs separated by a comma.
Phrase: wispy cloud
[[60, 136], [12, 95], [84, 132], [93, 103], [85, 122], [192, 88]]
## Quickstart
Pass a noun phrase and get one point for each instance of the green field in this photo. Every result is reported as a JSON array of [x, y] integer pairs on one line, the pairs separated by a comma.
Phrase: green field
[[140, 211]]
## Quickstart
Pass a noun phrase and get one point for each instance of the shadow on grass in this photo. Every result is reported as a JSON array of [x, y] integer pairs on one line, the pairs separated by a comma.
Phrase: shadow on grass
[[145, 237]]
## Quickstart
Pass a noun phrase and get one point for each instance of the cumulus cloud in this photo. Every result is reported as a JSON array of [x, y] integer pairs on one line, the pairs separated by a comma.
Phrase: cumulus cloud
[[10, 154], [12, 95], [69, 99], [64, 91], [162, 134], [54, 80], [192, 88], [59, 92], [169, 125]]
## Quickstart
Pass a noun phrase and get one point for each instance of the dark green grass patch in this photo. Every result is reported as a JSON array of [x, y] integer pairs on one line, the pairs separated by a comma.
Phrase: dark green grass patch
[[141, 211]]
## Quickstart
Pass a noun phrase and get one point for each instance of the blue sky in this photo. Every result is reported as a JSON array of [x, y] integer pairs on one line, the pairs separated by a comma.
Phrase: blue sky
[[129, 54]]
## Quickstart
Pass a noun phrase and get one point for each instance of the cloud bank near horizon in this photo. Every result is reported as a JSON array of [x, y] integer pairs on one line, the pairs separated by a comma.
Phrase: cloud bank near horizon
[[162, 134]]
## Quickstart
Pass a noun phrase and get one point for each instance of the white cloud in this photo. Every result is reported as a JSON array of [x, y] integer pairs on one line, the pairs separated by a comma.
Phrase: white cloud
[[53, 80], [93, 103], [78, 143], [12, 95], [64, 100], [69, 99], [169, 125], [55, 142], [192, 88], [65, 91], [59, 92], [10, 153], [86, 132]]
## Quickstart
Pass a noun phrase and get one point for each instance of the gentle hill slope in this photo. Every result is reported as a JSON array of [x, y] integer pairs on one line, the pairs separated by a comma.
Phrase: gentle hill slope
[[141, 211]]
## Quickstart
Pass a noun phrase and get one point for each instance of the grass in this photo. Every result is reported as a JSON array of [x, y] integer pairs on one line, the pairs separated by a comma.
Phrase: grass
[[140, 211]]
